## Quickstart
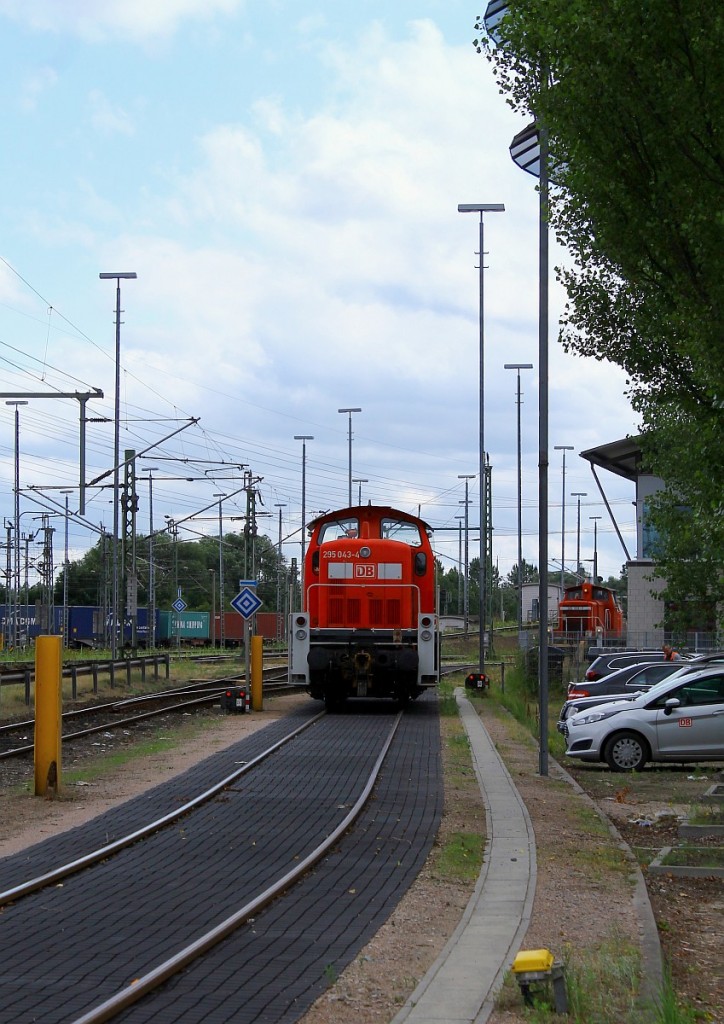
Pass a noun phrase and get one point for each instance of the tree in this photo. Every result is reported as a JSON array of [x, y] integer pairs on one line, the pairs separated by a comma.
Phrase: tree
[[529, 574], [632, 96], [193, 566]]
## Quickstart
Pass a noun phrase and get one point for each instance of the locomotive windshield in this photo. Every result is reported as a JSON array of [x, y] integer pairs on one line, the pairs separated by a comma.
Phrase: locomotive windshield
[[401, 530], [339, 529]]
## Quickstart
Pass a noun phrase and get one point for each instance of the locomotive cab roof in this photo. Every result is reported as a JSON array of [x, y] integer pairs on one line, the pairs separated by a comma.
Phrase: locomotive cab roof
[[368, 513]]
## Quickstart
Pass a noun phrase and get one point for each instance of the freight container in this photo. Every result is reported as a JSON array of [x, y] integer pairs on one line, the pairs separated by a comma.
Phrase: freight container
[[187, 627], [86, 627], [264, 624]]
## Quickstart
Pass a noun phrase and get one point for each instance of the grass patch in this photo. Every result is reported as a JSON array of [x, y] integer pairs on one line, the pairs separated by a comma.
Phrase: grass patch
[[461, 857], [458, 852], [713, 815], [695, 856], [669, 1010]]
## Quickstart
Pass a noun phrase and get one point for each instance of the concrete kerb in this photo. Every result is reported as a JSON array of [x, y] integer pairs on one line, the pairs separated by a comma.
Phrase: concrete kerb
[[461, 985]]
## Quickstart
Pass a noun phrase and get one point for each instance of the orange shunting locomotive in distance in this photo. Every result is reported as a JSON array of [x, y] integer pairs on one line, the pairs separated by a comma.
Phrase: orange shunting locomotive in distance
[[587, 609], [368, 625]]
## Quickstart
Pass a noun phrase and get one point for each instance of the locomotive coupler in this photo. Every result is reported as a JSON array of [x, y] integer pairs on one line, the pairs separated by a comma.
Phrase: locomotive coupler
[[362, 663]]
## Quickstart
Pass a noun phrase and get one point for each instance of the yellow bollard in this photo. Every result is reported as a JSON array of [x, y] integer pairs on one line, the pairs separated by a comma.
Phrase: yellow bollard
[[257, 662], [48, 714]]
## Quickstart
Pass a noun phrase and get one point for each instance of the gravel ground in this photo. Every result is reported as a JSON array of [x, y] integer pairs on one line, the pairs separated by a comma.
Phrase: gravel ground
[[581, 900]]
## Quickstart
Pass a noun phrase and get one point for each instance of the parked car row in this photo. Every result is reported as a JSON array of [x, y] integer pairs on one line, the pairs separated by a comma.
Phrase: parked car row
[[628, 682], [604, 664], [678, 719]]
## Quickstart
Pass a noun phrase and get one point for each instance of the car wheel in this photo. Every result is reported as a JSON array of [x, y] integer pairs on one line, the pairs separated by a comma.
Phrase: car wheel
[[626, 752]]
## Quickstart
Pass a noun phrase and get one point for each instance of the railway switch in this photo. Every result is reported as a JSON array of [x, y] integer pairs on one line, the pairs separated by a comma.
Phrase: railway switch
[[235, 700]]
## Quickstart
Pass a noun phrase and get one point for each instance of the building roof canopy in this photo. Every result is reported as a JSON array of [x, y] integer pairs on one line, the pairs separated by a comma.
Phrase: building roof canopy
[[620, 457]]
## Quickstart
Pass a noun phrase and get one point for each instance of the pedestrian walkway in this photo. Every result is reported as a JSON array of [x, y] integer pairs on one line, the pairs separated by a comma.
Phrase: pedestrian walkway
[[461, 985]]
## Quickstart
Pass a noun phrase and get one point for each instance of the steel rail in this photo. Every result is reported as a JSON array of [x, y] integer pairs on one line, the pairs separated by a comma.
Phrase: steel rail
[[50, 877], [208, 698], [153, 979]]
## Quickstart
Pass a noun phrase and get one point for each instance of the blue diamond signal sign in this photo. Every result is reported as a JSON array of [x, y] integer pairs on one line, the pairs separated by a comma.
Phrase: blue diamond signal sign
[[246, 603], [179, 605]]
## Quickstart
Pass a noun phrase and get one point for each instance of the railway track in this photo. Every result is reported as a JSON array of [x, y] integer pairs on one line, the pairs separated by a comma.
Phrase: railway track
[[173, 886], [110, 715]]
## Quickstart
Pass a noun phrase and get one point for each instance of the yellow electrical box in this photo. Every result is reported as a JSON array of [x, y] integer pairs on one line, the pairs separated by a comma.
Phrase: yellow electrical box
[[533, 961]]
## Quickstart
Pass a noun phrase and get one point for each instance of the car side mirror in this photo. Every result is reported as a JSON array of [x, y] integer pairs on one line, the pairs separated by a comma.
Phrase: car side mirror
[[671, 704]]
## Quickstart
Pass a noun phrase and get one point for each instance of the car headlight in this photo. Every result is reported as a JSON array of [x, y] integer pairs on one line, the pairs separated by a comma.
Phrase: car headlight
[[590, 717]]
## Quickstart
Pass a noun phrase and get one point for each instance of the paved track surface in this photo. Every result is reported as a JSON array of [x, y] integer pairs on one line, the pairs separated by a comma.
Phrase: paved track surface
[[68, 948]]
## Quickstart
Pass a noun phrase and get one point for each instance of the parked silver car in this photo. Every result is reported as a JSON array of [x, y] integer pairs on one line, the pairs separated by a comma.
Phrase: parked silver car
[[624, 682], [680, 719]]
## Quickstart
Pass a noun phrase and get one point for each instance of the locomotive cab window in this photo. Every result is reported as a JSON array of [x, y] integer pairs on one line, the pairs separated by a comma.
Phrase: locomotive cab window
[[401, 530], [339, 529]]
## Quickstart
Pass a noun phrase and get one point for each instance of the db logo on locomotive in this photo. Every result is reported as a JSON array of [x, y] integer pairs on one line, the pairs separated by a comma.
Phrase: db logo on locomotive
[[367, 570]]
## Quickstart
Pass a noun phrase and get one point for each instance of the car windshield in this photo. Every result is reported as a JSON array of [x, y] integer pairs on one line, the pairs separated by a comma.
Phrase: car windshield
[[666, 684]]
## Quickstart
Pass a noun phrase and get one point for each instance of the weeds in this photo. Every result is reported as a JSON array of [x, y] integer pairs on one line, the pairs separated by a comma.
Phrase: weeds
[[695, 856], [601, 985], [668, 1010]]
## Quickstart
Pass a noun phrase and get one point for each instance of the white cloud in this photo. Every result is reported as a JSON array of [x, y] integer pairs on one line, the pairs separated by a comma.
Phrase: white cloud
[[131, 19], [300, 258], [107, 118], [35, 86]]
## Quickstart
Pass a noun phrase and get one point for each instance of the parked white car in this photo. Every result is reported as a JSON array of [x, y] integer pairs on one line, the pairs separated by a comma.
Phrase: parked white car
[[676, 720]]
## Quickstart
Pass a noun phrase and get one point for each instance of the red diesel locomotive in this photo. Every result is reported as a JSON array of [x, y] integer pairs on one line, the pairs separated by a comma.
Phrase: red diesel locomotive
[[368, 625], [587, 609]]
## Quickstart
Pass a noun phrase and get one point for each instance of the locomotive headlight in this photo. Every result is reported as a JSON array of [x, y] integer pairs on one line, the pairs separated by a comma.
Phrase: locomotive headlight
[[364, 552], [301, 620], [426, 635], [301, 634], [426, 621]]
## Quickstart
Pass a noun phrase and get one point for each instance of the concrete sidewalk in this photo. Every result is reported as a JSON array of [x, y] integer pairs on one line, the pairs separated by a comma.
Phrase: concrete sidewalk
[[461, 985]]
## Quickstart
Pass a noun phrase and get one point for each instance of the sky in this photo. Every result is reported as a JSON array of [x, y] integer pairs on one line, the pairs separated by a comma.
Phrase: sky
[[283, 178]]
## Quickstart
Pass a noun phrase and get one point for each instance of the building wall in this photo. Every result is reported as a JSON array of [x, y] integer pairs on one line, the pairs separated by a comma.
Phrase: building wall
[[644, 610], [530, 598]]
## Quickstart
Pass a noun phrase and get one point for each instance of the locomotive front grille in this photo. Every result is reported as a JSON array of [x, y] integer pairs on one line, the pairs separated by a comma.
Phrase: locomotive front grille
[[376, 610], [393, 612], [383, 607]]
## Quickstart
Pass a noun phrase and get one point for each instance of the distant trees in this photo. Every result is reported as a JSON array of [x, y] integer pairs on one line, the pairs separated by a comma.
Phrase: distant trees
[[191, 565]]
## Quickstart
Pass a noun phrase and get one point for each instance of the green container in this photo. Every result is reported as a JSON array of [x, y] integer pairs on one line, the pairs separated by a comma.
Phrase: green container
[[184, 625]]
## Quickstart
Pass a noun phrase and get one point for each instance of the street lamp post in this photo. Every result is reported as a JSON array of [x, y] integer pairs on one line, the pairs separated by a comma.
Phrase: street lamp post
[[518, 367], [482, 209], [563, 448], [128, 275], [359, 481], [66, 564], [579, 495], [151, 567], [213, 607], [15, 588], [222, 631], [595, 548], [280, 616], [304, 438], [466, 584], [349, 439], [460, 562]]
